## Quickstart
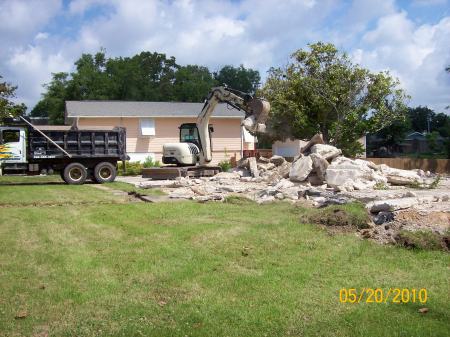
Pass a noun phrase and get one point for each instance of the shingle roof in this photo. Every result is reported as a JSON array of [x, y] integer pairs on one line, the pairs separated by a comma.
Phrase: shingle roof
[[143, 109]]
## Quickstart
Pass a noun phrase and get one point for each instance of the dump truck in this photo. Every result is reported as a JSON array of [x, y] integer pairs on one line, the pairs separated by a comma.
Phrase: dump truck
[[76, 154]]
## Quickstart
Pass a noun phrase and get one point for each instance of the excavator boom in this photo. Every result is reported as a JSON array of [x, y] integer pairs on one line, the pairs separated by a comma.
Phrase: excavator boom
[[256, 113]]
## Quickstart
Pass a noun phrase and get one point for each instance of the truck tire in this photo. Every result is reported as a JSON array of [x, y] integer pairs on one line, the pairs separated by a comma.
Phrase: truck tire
[[75, 174], [104, 172]]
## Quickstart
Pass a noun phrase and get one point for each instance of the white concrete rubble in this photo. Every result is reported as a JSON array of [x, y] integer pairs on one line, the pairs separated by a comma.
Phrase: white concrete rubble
[[328, 152], [300, 169]]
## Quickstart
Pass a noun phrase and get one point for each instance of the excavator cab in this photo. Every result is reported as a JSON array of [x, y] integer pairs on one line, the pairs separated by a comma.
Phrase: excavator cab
[[189, 134]]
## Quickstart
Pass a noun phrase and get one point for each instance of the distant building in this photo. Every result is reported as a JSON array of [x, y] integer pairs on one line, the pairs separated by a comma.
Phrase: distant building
[[414, 143]]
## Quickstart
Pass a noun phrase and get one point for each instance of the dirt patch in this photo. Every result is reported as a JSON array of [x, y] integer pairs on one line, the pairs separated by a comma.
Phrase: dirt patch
[[413, 228]]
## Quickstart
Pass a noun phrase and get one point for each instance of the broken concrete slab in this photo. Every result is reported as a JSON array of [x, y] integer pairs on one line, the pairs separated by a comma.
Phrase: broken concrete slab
[[226, 175], [300, 169], [390, 205], [253, 166], [328, 152], [320, 165], [400, 177], [316, 139], [345, 174], [182, 192]]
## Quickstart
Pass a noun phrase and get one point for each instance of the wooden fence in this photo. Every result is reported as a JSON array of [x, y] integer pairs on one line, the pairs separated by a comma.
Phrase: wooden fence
[[432, 165]]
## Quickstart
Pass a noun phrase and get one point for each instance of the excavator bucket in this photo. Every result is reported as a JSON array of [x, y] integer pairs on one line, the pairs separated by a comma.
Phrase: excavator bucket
[[256, 117]]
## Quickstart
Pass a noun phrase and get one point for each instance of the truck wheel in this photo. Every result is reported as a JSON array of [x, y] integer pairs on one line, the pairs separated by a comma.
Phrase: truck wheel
[[75, 174], [104, 172]]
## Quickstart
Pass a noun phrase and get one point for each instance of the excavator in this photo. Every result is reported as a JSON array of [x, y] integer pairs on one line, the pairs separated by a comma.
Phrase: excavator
[[191, 156]]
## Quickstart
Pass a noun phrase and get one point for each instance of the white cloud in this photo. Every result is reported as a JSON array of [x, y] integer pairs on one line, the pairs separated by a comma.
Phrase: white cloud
[[21, 19], [33, 67], [417, 54], [258, 34]]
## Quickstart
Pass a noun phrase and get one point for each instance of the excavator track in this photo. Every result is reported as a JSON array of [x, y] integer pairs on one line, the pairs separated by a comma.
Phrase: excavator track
[[173, 172]]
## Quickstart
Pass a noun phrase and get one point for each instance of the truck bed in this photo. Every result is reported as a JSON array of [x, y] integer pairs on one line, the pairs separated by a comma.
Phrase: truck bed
[[78, 143]]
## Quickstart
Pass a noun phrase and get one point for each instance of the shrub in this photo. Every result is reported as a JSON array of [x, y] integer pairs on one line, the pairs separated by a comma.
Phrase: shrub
[[133, 168], [225, 165], [148, 162]]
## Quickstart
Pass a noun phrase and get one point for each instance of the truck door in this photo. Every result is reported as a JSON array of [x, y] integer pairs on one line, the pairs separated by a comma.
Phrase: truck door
[[12, 145]]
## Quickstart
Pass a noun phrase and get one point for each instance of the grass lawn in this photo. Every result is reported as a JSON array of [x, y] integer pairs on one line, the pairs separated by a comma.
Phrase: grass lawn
[[105, 268]]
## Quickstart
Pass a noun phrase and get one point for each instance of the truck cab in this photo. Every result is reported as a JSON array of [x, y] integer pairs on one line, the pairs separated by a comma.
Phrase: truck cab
[[12, 145]]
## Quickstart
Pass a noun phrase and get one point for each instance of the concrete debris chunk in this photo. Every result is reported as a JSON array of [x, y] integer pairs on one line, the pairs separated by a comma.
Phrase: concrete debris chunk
[[265, 166], [277, 160], [243, 163], [253, 167], [345, 174], [182, 193], [300, 169], [264, 160], [390, 205], [226, 175], [284, 184], [328, 152], [243, 172], [284, 169], [320, 165], [316, 139], [400, 177]]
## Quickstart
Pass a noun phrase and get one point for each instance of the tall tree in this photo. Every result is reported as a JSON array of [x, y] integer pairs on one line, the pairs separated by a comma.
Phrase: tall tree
[[7, 107], [321, 90], [143, 77], [240, 78], [192, 83], [52, 101]]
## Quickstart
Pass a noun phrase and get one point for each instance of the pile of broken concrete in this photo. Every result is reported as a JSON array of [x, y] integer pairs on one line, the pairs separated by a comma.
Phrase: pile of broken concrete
[[319, 174]]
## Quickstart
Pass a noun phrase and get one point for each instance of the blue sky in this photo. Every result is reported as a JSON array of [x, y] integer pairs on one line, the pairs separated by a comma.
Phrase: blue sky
[[411, 39]]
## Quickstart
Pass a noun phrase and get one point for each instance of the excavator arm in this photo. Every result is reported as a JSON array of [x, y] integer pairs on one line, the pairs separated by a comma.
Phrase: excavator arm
[[256, 113]]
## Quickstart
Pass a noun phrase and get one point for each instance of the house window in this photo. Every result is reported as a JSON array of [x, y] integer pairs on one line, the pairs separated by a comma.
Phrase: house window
[[147, 126]]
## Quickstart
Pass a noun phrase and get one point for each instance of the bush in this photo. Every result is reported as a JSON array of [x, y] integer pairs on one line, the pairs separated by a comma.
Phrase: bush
[[148, 162], [225, 165], [133, 168]]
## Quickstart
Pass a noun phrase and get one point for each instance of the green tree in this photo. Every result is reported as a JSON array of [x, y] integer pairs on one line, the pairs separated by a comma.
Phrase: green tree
[[321, 90], [7, 107], [240, 78], [420, 116], [192, 83], [432, 140], [53, 100], [143, 77]]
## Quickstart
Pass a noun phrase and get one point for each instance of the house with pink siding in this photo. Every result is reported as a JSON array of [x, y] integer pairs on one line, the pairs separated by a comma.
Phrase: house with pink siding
[[149, 125]]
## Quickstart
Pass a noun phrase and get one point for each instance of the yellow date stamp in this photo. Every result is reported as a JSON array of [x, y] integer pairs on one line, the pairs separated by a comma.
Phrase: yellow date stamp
[[379, 295]]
